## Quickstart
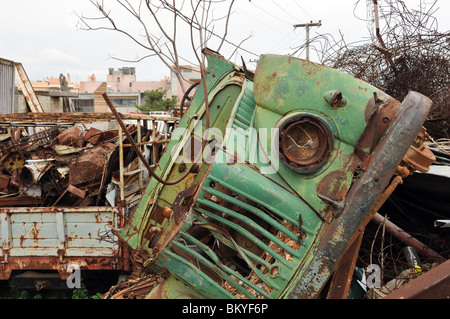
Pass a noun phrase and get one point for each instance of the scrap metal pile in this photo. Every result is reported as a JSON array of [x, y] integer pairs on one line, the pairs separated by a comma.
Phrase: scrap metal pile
[[405, 52], [66, 166]]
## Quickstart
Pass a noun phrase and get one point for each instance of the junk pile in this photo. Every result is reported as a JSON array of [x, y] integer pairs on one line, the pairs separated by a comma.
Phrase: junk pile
[[60, 166], [411, 239], [410, 245], [138, 283]]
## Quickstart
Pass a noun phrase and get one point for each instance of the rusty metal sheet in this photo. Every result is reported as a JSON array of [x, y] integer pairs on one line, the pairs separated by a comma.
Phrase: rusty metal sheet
[[4, 182], [54, 263], [90, 165], [42, 238], [72, 136], [95, 136], [20, 201]]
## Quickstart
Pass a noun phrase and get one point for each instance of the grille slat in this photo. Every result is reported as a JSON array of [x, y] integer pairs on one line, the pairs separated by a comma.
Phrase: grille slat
[[250, 223], [228, 270], [245, 233], [280, 214], [271, 221]]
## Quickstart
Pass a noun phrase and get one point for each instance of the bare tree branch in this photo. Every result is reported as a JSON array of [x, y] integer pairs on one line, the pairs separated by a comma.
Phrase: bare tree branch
[[156, 36]]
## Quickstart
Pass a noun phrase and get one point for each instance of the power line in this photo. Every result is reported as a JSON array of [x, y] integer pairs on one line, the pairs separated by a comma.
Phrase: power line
[[283, 41], [301, 8], [270, 14], [264, 24], [284, 10], [189, 21]]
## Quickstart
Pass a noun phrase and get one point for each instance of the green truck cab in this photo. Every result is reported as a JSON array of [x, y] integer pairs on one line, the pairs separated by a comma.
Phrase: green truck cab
[[269, 180]]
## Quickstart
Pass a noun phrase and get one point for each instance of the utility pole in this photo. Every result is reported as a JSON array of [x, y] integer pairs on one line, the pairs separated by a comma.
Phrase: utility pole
[[307, 26]]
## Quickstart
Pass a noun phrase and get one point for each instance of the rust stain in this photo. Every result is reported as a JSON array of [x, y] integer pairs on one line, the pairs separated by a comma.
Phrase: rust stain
[[53, 263], [334, 185], [35, 232]]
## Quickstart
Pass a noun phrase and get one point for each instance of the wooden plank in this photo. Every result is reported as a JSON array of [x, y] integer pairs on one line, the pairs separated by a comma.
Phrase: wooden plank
[[27, 89]]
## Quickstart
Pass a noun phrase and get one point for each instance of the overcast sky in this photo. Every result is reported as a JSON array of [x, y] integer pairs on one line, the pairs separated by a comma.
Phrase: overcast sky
[[46, 37]]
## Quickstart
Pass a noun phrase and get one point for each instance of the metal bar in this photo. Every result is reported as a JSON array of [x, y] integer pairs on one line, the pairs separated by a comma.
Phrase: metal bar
[[139, 170], [223, 270], [61, 233], [6, 233], [254, 210], [147, 143], [77, 117], [84, 209], [139, 139], [340, 286], [121, 186], [136, 149], [407, 238], [249, 222], [153, 139], [248, 235]]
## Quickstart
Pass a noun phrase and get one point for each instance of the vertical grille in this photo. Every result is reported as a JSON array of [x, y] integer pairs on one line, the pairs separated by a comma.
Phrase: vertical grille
[[244, 112], [243, 246]]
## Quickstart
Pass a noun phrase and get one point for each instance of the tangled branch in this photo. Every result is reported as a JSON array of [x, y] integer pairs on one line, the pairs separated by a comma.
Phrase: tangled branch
[[405, 52]]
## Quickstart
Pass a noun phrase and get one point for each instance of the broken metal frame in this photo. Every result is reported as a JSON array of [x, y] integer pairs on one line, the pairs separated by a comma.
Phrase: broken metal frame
[[111, 259], [69, 119]]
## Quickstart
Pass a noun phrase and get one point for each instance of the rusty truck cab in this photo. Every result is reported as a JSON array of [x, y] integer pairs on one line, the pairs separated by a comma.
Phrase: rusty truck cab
[[295, 159]]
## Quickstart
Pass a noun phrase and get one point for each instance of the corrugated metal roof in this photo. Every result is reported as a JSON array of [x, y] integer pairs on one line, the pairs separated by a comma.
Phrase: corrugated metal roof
[[7, 77]]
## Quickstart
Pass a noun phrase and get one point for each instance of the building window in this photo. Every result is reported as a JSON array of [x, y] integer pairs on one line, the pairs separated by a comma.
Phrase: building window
[[83, 105]]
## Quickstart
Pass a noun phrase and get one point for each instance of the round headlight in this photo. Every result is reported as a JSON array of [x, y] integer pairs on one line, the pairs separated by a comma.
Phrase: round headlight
[[305, 143]]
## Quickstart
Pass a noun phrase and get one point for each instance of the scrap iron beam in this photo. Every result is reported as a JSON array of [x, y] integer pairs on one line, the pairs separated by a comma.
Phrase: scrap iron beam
[[433, 284]]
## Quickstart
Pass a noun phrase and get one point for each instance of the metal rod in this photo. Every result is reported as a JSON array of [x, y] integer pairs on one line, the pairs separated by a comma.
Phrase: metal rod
[[147, 143], [122, 193], [407, 238], [135, 147], [139, 139], [153, 139]]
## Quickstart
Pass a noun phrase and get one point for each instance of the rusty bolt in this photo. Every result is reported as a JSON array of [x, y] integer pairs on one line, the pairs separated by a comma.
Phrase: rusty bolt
[[182, 167], [195, 168]]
